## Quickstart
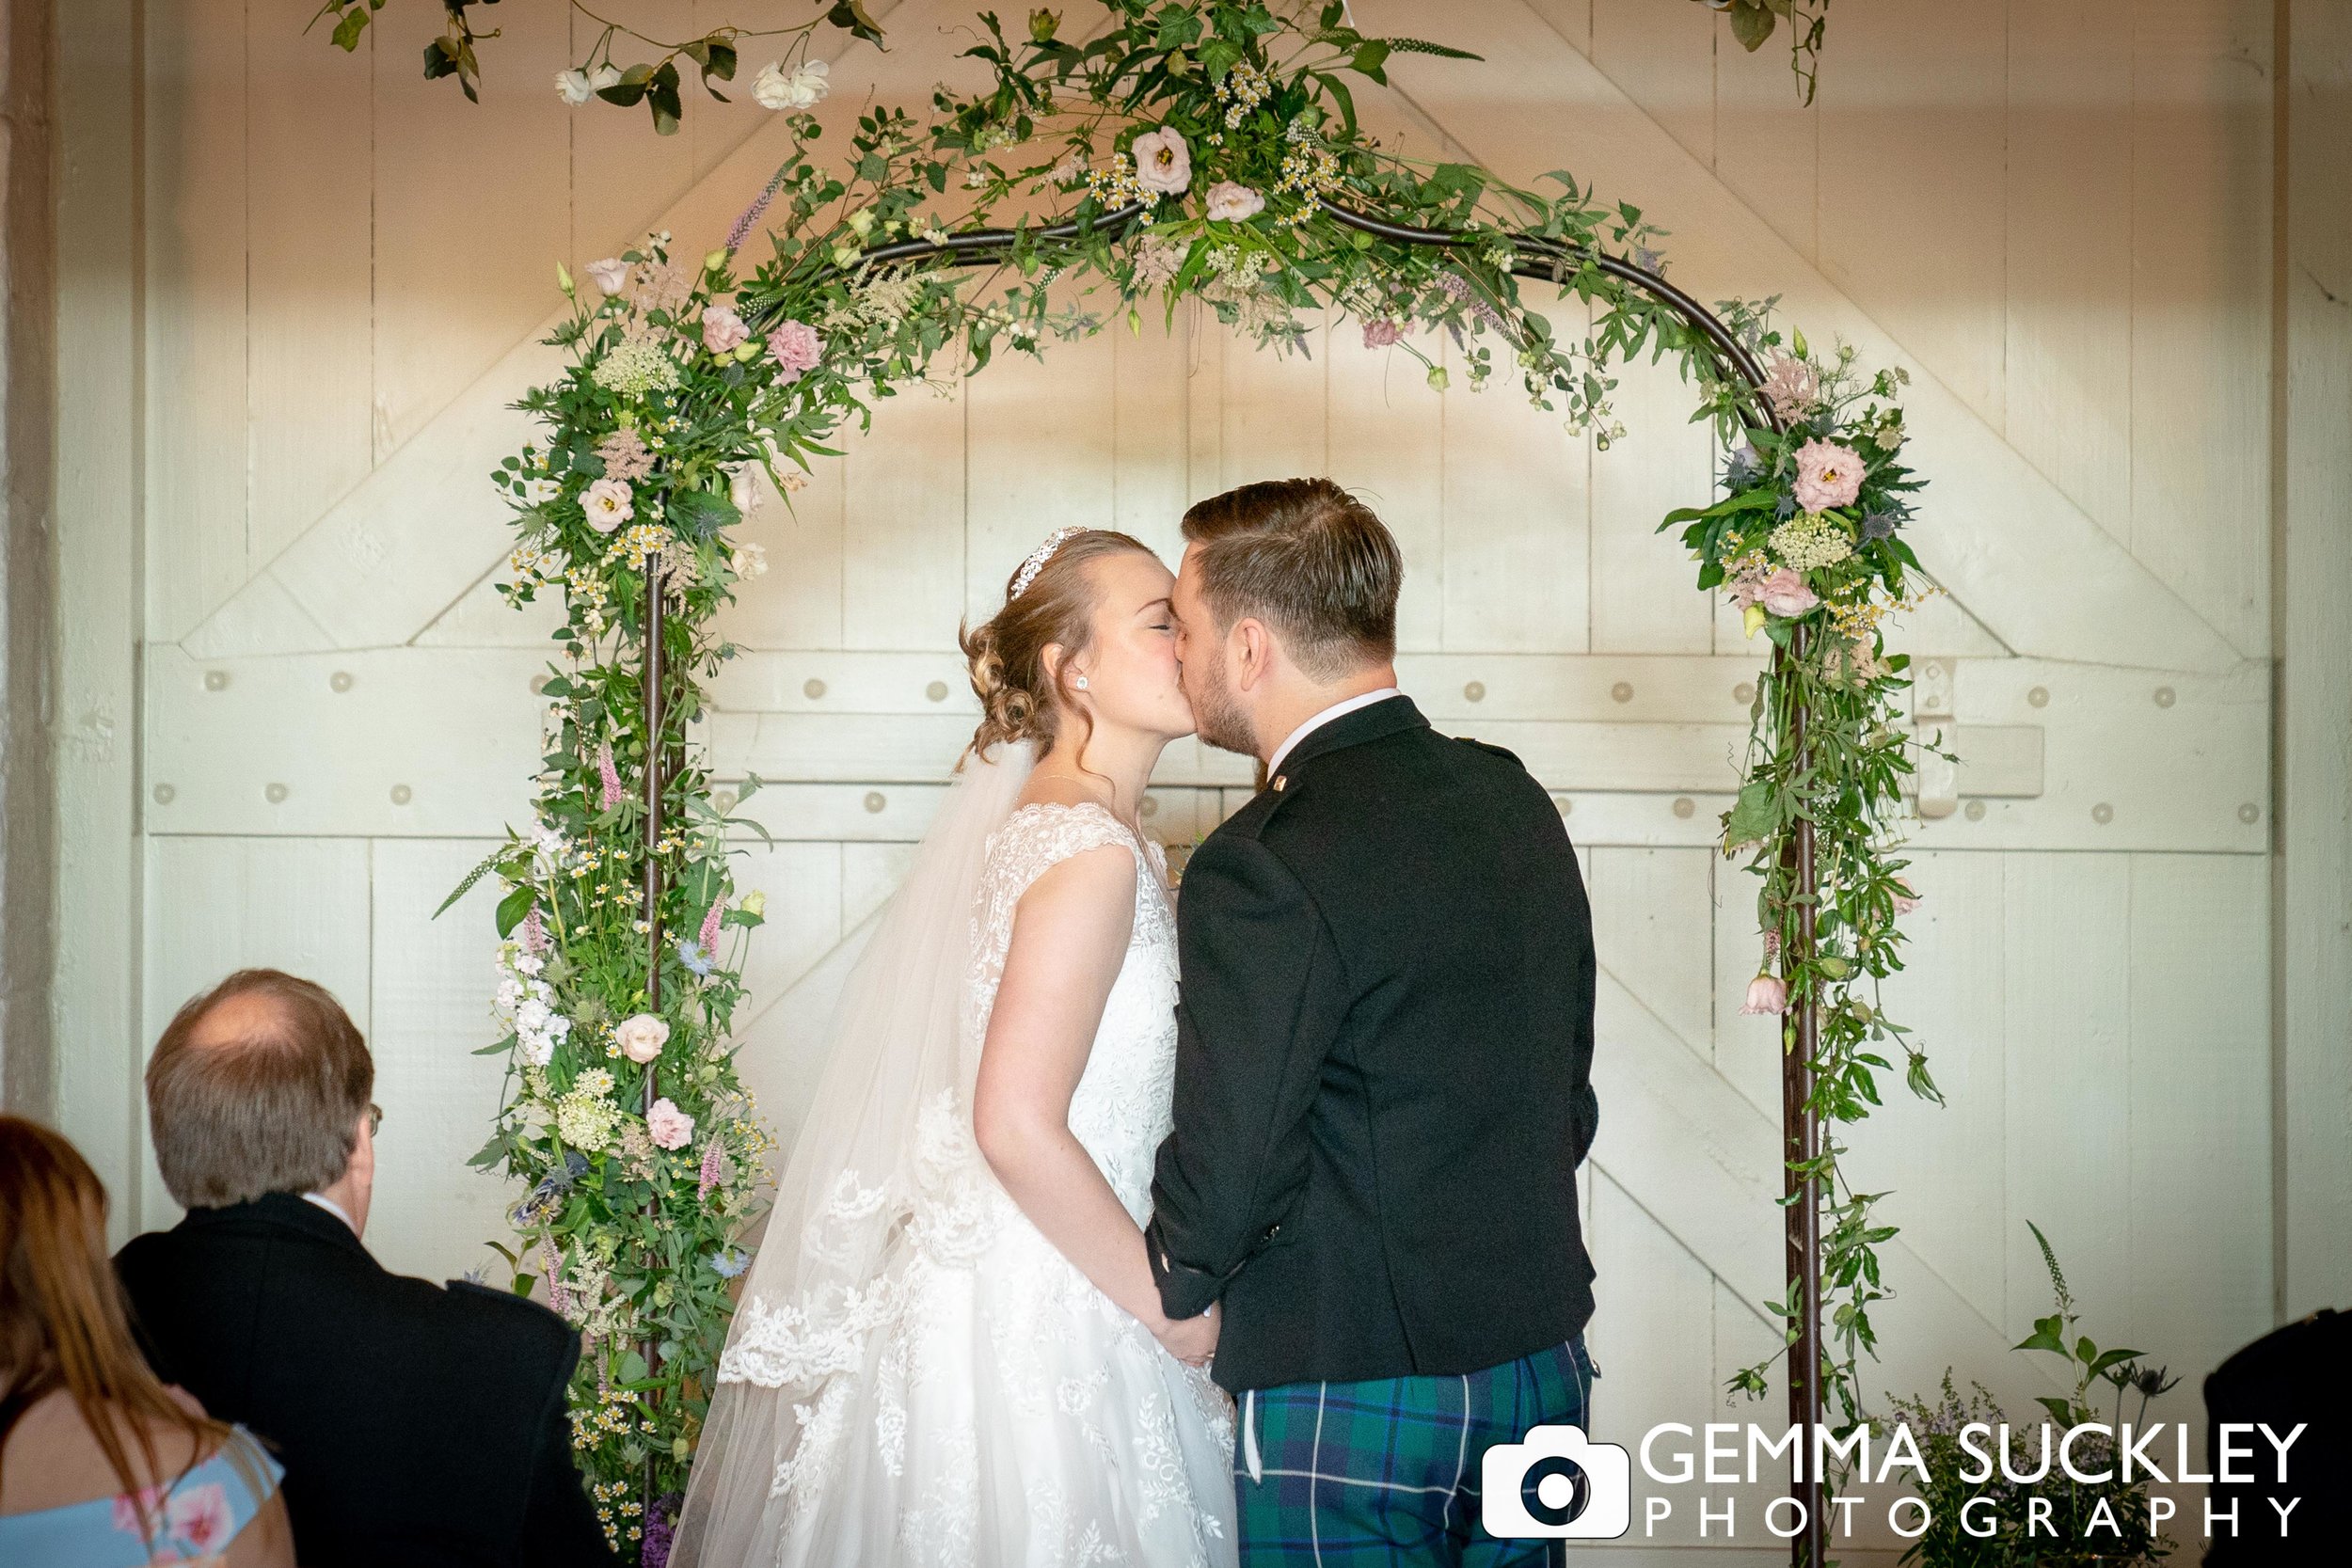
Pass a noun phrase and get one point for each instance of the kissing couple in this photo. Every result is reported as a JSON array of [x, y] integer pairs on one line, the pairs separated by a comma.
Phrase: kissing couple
[[1082, 1170]]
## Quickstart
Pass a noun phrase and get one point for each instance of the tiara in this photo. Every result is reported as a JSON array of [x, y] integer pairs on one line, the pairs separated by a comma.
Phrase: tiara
[[1038, 558]]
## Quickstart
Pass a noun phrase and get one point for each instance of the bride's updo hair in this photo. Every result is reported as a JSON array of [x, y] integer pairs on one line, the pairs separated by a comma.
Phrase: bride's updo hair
[[1018, 700]]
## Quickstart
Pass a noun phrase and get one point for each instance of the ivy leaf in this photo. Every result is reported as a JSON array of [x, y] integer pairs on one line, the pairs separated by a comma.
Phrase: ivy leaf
[[662, 100], [1755, 817], [347, 31], [852, 18], [1751, 23]]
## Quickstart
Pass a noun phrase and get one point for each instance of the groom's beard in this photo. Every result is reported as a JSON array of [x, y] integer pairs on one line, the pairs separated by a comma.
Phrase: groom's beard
[[1218, 718]]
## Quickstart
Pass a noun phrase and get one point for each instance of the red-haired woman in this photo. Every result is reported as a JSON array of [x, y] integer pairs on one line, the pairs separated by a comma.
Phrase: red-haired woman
[[101, 1466]]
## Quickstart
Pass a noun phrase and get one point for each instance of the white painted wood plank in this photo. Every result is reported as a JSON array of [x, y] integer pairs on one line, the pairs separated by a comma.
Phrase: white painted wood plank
[[621, 172], [1653, 928], [1273, 408], [1767, 141], [2200, 318], [100, 349], [2040, 575], [1654, 1301], [2069, 249], [2199, 1186], [430, 1000], [194, 365], [797, 603], [1913, 155], [1386, 446], [217, 905], [1943, 1162], [389, 558], [1517, 493], [1151, 428], [309, 277], [1041, 457], [1644, 594], [1663, 57], [902, 571], [2315, 568], [501, 230], [2065, 978]]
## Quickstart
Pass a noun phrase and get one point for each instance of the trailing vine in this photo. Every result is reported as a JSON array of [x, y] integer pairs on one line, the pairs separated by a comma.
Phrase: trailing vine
[[1207, 151]]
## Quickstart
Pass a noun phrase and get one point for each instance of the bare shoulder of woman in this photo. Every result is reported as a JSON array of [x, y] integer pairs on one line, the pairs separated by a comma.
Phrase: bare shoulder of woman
[[54, 1459]]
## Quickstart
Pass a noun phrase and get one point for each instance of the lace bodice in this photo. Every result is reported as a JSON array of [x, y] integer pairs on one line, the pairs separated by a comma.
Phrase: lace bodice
[[1119, 1110]]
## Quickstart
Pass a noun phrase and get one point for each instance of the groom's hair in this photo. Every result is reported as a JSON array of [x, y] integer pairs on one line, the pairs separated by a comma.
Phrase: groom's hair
[[1311, 561]]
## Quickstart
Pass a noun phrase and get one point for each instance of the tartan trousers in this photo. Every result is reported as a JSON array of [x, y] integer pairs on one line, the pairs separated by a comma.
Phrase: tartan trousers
[[1384, 1472]]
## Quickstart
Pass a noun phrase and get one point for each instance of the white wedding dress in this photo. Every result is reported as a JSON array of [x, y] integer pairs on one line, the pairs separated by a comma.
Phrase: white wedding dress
[[977, 1401]]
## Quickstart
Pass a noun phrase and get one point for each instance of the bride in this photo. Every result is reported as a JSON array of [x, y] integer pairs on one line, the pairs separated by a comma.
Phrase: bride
[[950, 1349]]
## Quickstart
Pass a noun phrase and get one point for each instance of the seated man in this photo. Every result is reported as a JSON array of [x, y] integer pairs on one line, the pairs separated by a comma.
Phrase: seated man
[[417, 1425]]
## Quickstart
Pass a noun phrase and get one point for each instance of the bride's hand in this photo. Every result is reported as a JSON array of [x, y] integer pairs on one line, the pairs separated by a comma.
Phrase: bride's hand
[[1191, 1341]]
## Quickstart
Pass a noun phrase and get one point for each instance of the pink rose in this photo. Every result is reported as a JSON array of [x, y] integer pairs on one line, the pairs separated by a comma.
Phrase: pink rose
[[670, 1127], [1827, 475], [1767, 993], [1783, 592], [1380, 334], [1230, 201], [1163, 162], [641, 1038], [797, 349], [722, 329]]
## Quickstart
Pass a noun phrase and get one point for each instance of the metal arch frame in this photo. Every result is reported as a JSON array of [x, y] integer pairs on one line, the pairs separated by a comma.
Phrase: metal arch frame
[[1800, 1129]]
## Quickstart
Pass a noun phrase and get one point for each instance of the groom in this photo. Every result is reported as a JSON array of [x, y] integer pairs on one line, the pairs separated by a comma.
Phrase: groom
[[1384, 1047]]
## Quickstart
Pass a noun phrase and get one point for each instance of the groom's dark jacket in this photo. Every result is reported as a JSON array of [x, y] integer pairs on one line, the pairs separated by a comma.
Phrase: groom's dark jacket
[[1383, 1066]]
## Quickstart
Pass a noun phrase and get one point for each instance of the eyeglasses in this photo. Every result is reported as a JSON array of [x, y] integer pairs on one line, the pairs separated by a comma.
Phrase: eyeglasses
[[376, 1120]]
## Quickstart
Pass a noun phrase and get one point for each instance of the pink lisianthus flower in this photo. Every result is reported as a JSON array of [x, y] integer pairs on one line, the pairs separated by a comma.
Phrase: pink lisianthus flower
[[1382, 333], [1827, 475], [1163, 162], [1767, 993], [611, 275], [1783, 592], [722, 329], [668, 1126], [796, 348], [641, 1037], [1905, 900], [609, 504]]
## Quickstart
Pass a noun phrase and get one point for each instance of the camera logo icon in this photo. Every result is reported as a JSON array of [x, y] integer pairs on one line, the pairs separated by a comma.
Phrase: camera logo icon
[[1557, 1483]]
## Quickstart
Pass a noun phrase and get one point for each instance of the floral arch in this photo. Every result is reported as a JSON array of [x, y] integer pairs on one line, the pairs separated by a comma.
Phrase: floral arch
[[1198, 147]]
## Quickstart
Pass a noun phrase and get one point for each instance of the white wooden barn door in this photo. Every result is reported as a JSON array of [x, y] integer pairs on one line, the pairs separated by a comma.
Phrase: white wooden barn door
[[337, 712]]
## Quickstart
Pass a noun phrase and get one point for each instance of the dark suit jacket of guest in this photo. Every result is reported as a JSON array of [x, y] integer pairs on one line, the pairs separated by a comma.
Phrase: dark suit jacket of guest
[[417, 1425], [1383, 1066]]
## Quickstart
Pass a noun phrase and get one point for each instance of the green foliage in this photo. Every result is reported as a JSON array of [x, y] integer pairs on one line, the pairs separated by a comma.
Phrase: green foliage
[[1752, 22], [2091, 1524], [686, 381]]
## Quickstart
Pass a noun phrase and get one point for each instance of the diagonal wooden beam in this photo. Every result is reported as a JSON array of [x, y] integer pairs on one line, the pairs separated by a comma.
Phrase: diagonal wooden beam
[[2037, 571], [404, 543]]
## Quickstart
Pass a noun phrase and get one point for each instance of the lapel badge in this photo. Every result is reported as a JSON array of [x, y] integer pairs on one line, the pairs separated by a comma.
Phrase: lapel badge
[[1279, 780]]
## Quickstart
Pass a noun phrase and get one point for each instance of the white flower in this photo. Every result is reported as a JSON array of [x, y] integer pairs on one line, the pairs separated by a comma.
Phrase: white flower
[[539, 491], [609, 504], [607, 76], [1231, 202], [743, 488], [748, 561], [641, 1037], [574, 86], [802, 88], [536, 1050], [611, 275]]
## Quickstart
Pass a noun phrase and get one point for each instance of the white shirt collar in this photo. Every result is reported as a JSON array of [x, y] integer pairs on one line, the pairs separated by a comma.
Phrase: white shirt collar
[[1334, 711], [331, 1207]]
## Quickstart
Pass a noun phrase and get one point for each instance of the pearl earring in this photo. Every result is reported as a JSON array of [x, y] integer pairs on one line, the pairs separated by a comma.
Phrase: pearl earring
[[1081, 683]]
